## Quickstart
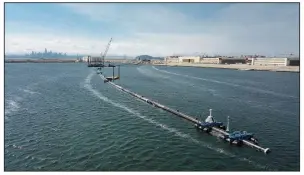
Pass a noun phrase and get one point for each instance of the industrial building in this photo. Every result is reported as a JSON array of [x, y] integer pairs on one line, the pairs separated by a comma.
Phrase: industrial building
[[227, 60], [294, 61], [172, 59], [189, 59], [211, 60], [192, 59], [203, 60], [260, 61], [270, 61]]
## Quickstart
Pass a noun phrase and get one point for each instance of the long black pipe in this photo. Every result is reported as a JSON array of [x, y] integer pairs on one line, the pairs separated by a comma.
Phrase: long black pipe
[[180, 114]]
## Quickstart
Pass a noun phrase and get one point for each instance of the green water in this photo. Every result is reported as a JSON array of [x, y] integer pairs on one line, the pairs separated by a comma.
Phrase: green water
[[63, 117]]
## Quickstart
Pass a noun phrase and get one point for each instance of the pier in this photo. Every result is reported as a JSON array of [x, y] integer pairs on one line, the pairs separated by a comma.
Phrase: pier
[[215, 131]]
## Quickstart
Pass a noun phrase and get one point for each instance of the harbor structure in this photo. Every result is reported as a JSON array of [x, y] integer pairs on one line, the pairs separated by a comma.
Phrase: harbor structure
[[189, 59], [270, 61], [211, 60], [259, 61], [171, 59]]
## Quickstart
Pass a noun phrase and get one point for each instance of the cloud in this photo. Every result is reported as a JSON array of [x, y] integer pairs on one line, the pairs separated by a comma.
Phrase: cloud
[[239, 28], [134, 17]]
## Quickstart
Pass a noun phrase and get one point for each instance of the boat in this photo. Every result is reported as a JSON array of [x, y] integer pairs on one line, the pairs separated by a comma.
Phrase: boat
[[219, 130]]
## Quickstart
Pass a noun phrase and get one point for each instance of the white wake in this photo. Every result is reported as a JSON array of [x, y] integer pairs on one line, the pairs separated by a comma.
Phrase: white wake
[[229, 84], [88, 86]]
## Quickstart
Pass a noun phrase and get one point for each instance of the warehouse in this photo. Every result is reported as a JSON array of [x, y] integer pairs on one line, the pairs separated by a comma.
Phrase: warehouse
[[228, 60], [211, 60], [270, 61], [171, 59], [189, 59]]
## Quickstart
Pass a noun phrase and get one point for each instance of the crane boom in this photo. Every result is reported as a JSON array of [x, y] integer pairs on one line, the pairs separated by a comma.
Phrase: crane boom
[[105, 52]]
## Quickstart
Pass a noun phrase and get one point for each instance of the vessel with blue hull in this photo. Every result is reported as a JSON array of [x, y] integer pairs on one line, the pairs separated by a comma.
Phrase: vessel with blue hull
[[219, 130]]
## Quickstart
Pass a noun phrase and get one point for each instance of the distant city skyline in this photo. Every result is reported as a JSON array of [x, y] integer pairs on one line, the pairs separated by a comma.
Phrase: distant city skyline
[[41, 54], [46, 53], [53, 54]]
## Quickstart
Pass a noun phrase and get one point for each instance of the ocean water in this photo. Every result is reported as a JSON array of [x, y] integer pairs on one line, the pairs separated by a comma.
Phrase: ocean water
[[62, 117]]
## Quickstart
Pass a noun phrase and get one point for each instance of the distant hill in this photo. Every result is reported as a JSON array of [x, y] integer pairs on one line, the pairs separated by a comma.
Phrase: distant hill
[[147, 57]]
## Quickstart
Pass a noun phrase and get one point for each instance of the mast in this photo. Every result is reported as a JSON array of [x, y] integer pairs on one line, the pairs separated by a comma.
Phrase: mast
[[119, 71], [227, 129]]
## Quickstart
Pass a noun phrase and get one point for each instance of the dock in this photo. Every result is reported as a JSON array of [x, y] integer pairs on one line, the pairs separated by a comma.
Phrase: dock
[[215, 131]]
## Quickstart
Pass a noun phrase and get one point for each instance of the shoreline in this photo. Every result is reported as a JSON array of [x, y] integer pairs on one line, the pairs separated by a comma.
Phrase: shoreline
[[243, 67]]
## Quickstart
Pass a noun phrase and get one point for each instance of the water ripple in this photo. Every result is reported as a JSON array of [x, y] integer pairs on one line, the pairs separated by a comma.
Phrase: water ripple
[[163, 126]]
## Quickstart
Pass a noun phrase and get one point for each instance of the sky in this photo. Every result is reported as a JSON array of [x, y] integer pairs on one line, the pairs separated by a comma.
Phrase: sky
[[157, 29]]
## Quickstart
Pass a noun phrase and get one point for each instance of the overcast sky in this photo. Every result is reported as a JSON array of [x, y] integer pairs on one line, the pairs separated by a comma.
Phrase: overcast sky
[[157, 29]]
